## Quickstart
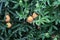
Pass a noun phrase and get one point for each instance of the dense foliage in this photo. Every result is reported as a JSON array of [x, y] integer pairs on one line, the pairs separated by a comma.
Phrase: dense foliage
[[44, 27]]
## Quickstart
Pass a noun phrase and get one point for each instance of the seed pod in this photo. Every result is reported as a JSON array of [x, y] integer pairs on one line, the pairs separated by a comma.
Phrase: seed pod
[[7, 18], [34, 15], [30, 19], [9, 25]]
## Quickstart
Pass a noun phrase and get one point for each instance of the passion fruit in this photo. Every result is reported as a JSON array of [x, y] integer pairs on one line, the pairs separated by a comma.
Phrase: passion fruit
[[9, 25], [7, 18], [30, 19], [34, 15]]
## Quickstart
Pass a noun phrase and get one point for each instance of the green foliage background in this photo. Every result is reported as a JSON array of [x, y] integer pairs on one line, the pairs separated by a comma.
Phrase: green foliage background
[[48, 20]]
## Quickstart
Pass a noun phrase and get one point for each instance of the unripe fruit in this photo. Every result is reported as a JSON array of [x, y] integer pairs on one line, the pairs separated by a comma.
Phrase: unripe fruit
[[30, 19], [7, 18], [9, 25], [47, 35], [34, 15]]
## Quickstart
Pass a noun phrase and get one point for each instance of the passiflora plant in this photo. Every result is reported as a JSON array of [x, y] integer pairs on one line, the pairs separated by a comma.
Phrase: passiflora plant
[[29, 19]]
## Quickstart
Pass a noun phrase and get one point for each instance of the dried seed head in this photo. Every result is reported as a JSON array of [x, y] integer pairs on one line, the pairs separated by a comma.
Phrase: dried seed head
[[53, 36], [38, 27], [30, 19]]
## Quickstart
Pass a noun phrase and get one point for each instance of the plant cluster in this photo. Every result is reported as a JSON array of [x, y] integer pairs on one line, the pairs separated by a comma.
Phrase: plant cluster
[[29, 19]]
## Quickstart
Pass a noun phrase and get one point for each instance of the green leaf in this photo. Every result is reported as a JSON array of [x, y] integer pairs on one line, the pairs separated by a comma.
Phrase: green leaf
[[55, 38], [16, 5], [55, 27]]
